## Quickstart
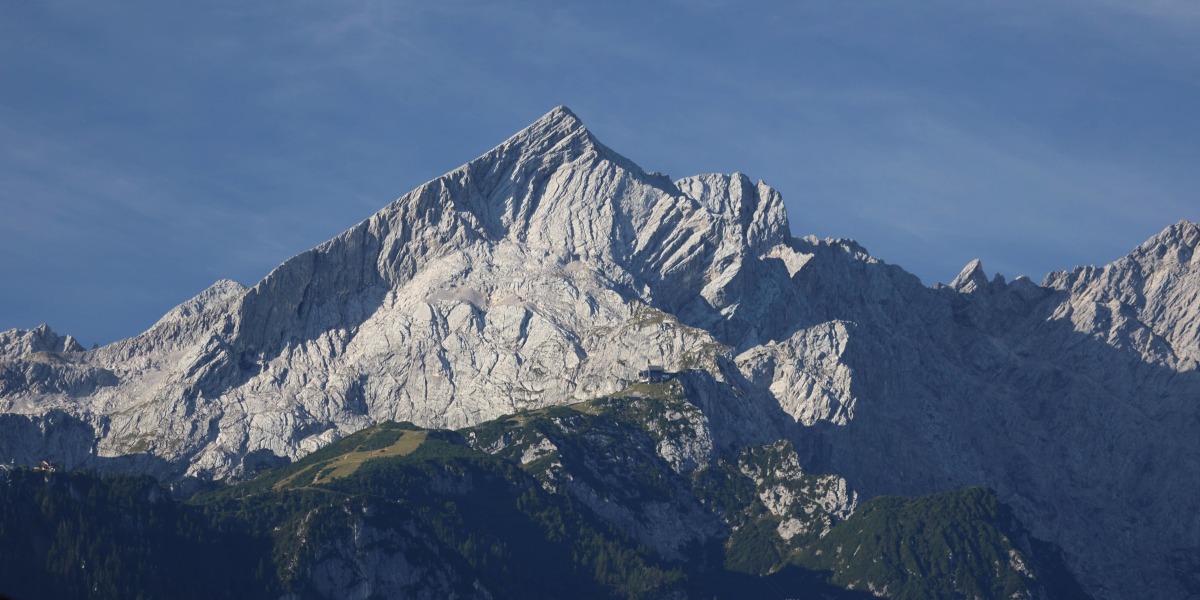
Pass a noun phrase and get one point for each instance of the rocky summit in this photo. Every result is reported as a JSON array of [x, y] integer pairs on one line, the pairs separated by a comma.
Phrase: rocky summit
[[552, 271]]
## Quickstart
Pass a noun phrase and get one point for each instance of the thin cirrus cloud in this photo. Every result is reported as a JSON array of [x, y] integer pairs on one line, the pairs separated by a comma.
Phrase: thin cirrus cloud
[[148, 150]]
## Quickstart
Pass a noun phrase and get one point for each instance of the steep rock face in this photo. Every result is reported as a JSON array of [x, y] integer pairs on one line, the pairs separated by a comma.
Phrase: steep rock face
[[552, 270], [1148, 302], [813, 390], [56, 435]]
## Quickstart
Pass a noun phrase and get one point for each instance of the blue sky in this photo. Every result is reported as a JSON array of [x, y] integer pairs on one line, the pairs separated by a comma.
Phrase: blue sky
[[148, 149]]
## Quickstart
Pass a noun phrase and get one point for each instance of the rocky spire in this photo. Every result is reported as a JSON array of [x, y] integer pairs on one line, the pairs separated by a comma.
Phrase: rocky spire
[[971, 279]]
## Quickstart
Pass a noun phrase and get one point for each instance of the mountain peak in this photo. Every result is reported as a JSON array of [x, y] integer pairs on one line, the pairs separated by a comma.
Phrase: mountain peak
[[16, 343], [563, 115], [551, 130], [971, 278], [1174, 246], [557, 137], [1180, 235], [211, 296]]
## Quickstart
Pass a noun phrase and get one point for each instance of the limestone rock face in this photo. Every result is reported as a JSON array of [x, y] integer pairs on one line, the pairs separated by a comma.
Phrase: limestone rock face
[[1147, 302], [552, 270]]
